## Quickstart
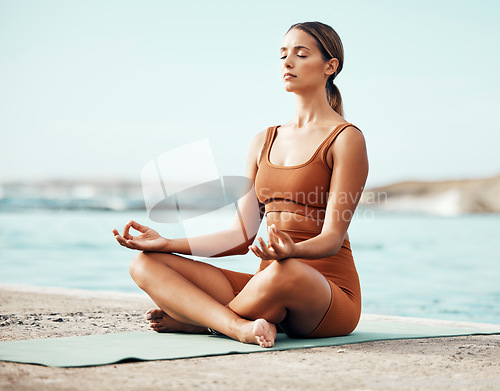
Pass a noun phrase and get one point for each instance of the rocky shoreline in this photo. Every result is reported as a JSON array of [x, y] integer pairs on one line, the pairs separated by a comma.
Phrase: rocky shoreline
[[451, 197]]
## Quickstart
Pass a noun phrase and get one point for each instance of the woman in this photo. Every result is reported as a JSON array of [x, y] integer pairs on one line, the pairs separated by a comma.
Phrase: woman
[[308, 174]]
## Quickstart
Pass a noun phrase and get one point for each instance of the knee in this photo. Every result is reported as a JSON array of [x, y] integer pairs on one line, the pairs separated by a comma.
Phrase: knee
[[282, 275], [138, 267]]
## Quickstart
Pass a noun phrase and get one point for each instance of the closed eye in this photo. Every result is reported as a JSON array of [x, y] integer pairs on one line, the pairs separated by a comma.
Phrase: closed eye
[[283, 57]]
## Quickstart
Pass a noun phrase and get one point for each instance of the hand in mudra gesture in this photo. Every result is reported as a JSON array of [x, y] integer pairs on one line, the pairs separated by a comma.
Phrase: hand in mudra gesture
[[148, 240], [280, 246]]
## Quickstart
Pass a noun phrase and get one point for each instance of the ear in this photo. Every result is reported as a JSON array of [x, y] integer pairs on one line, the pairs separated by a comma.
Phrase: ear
[[331, 66]]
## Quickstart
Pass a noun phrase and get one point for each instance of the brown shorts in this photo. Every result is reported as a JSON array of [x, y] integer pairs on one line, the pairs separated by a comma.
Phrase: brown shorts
[[236, 279]]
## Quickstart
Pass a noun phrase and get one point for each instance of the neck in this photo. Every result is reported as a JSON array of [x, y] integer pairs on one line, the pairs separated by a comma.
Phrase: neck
[[312, 107]]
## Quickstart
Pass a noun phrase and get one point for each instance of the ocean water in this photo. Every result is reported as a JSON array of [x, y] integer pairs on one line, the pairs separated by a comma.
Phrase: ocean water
[[409, 265]]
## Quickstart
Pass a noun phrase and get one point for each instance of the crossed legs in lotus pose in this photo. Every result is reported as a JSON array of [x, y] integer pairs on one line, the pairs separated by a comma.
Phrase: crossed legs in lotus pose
[[193, 295]]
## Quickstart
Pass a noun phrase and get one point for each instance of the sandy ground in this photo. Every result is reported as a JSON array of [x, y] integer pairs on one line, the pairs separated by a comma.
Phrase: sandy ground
[[458, 363]]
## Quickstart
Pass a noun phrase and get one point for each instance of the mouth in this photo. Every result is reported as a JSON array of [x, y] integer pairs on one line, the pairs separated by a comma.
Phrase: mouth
[[288, 76]]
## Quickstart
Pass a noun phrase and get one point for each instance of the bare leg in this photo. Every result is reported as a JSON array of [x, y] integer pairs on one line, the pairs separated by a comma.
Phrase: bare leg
[[288, 292], [204, 276], [201, 304]]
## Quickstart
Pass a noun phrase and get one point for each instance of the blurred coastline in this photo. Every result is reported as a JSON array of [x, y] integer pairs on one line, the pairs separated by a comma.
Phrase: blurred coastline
[[71, 195], [447, 198]]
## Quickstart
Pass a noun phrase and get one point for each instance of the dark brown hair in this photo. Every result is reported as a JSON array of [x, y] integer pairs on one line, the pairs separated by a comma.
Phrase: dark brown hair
[[330, 45]]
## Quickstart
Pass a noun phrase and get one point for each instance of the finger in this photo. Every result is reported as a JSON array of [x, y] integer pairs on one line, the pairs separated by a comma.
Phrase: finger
[[281, 238], [273, 239], [265, 249], [256, 250], [123, 242], [126, 229], [263, 245], [135, 225], [277, 250], [118, 237], [133, 244], [258, 239], [280, 234], [120, 240], [260, 254], [251, 248]]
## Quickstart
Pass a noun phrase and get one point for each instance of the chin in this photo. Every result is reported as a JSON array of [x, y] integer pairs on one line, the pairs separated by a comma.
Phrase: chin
[[289, 88]]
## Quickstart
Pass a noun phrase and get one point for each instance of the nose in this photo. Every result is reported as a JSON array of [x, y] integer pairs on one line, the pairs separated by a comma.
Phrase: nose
[[287, 62]]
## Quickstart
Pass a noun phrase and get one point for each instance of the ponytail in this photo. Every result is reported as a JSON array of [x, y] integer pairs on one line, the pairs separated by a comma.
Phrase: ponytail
[[334, 97]]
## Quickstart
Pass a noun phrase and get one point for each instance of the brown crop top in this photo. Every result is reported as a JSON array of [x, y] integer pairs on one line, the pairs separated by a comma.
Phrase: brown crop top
[[300, 189]]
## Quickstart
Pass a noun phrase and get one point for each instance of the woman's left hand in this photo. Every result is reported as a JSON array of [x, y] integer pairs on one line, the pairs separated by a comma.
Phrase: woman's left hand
[[280, 246]]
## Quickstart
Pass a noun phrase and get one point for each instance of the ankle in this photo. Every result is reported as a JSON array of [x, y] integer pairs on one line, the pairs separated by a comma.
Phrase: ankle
[[243, 330]]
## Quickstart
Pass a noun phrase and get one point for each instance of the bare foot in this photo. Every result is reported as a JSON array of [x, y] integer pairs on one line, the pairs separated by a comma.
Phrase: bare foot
[[264, 333], [259, 332], [160, 322]]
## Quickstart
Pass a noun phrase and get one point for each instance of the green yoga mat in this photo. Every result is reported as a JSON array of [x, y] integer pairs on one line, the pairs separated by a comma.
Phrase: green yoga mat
[[112, 348]]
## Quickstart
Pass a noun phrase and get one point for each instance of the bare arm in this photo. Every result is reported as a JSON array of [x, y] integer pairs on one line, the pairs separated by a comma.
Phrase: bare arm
[[232, 241], [348, 180]]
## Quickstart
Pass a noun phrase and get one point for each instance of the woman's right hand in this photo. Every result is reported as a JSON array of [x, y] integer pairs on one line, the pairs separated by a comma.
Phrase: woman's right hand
[[148, 240]]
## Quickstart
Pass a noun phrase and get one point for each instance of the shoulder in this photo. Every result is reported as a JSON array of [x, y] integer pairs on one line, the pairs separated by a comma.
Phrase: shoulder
[[350, 134], [349, 143], [258, 141], [260, 138], [257, 145]]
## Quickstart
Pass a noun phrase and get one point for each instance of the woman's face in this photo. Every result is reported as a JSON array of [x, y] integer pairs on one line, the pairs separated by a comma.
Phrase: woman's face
[[302, 65]]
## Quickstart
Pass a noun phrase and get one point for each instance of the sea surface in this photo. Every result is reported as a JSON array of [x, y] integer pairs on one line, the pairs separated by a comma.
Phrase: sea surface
[[409, 264]]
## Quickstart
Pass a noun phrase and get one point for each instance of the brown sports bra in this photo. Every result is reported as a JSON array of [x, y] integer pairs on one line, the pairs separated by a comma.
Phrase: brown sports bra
[[302, 190]]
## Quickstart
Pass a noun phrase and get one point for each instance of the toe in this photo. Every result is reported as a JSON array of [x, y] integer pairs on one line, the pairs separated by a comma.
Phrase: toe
[[154, 313]]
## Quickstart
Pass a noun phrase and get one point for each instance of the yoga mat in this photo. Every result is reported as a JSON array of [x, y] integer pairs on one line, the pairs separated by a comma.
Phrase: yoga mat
[[112, 348]]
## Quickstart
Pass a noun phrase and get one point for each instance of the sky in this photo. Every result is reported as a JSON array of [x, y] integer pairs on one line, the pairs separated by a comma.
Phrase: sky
[[94, 90]]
